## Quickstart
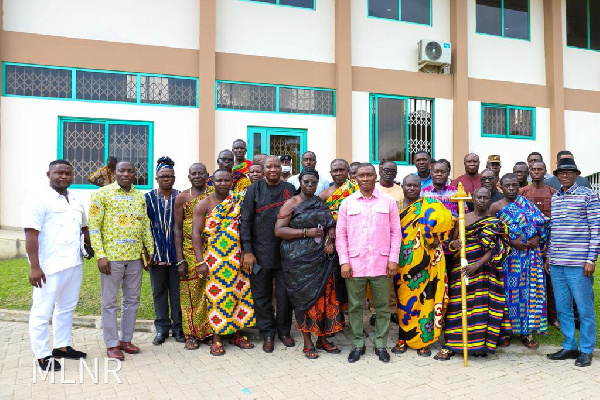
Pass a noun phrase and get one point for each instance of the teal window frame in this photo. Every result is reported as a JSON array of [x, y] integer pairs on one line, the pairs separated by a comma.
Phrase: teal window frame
[[373, 129], [502, 16], [266, 133], [314, 7], [589, 30], [277, 87], [400, 15], [507, 108], [106, 122], [74, 83]]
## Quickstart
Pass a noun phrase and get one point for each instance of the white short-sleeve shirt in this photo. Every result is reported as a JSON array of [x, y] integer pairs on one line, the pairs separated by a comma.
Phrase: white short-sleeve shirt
[[59, 222]]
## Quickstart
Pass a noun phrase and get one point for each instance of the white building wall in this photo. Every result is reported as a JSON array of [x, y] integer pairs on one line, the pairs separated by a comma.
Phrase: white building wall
[[320, 132], [30, 136], [260, 29], [582, 130], [510, 150], [380, 43], [443, 117], [506, 59], [172, 23]]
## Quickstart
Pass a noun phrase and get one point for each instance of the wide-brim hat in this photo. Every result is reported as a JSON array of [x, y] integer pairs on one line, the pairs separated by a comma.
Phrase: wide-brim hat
[[566, 164]]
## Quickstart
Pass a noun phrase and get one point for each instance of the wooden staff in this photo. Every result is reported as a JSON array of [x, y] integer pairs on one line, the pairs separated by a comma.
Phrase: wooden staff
[[460, 197]]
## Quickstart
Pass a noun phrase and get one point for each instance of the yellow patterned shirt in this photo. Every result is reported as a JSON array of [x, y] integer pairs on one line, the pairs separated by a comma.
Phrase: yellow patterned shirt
[[118, 223]]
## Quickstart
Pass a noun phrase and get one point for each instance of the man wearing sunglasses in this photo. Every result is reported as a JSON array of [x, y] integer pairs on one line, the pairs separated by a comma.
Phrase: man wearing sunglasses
[[489, 180], [240, 180]]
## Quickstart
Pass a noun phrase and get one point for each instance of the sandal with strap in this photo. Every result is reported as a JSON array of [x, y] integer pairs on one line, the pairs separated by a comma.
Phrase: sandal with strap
[[400, 347], [529, 343], [311, 353], [444, 354], [329, 347], [241, 342], [191, 343], [504, 341], [424, 352], [216, 349]]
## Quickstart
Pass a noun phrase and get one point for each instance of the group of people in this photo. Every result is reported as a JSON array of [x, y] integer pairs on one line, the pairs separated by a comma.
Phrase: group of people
[[252, 244]]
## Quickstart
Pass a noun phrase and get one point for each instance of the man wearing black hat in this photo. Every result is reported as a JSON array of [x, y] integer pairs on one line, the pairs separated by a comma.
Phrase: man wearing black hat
[[555, 183], [573, 251]]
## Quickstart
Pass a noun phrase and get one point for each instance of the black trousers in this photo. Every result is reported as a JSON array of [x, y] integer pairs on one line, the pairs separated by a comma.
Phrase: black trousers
[[267, 322], [165, 290]]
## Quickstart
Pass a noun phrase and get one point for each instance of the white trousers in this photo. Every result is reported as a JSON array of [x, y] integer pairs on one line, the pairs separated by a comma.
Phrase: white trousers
[[60, 294]]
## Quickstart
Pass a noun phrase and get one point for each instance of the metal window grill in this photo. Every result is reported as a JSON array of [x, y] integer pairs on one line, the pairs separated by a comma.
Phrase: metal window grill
[[521, 122], [494, 121], [165, 90], [106, 86], [420, 126], [83, 147], [131, 143], [306, 101], [25, 80], [240, 96]]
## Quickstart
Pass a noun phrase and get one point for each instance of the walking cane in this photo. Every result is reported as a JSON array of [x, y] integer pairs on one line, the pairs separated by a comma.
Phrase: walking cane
[[460, 197]]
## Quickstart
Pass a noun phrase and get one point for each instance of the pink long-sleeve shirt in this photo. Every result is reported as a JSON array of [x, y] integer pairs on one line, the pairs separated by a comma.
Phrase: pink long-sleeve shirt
[[368, 233]]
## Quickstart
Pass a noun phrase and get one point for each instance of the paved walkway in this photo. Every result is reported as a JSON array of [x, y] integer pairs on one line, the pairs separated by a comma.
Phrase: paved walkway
[[169, 371]]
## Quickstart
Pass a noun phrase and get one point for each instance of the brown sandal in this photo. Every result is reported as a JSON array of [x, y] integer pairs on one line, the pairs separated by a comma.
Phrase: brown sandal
[[329, 347], [311, 353], [444, 354], [217, 349], [504, 341], [400, 347], [529, 343], [424, 352], [191, 343], [241, 342]]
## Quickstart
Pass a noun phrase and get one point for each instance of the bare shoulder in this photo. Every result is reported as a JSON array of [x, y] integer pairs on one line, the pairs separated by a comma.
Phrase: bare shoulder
[[324, 195]]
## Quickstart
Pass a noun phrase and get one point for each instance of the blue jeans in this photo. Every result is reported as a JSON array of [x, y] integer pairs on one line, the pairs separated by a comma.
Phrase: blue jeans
[[570, 283]]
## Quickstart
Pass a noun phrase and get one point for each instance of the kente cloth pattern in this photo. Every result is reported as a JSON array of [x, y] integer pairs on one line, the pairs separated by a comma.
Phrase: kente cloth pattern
[[161, 212], [335, 200], [309, 271], [101, 177], [230, 304], [239, 182], [524, 278], [420, 283], [486, 305], [194, 307], [243, 168]]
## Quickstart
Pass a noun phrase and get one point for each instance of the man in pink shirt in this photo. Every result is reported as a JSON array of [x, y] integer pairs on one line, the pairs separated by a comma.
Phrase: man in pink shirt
[[368, 240]]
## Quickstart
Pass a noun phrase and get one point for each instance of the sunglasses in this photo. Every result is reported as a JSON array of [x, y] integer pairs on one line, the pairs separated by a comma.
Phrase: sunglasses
[[388, 170], [311, 182], [489, 178], [226, 159]]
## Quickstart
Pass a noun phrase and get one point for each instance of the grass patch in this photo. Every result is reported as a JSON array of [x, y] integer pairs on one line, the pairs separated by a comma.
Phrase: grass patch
[[16, 290]]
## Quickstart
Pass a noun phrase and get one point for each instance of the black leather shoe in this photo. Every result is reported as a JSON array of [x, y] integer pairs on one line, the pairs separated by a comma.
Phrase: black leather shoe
[[71, 353], [372, 320], [584, 360], [160, 338], [394, 318], [563, 354], [355, 354], [179, 337], [383, 354], [49, 363]]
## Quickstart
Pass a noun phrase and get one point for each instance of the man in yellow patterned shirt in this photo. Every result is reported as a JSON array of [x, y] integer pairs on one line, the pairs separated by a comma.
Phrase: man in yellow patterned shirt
[[120, 230]]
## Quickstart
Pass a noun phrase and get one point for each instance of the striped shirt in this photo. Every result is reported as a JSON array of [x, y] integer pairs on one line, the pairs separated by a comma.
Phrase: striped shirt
[[575, 227], [444, 196]]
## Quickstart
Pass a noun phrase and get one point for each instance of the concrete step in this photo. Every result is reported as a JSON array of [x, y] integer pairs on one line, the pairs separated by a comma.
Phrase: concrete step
[[12, 244]]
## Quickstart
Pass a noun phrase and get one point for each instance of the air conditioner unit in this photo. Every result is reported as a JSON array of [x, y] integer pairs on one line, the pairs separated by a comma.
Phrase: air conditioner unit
[[434, 52]]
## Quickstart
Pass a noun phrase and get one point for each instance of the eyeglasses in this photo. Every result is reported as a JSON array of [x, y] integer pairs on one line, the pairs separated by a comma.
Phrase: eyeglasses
[[311, 182], [487, 178], [389, 170], [226, 159], [565, 172], [164, 177]]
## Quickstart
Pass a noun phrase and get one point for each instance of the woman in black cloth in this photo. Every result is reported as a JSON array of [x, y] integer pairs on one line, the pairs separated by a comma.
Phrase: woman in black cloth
[[307, 228]]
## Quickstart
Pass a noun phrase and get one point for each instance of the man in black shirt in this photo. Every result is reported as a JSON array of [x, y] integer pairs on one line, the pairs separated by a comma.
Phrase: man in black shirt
[[262, 253], [489, 180]]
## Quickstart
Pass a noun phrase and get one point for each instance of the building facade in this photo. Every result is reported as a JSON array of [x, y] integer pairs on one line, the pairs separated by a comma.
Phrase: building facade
[[140, 79]]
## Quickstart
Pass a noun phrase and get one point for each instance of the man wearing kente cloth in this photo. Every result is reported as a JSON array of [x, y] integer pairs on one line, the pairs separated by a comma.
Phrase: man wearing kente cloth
[[333, 196], [524, 278], [421, 279], [486, 248], [194, 308], [241, 164], [239, 181], [216, 242], [105, 175]]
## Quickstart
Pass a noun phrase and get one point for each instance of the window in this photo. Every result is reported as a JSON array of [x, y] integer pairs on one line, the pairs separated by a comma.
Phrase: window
[[507, 18], [310, 4], [507, 121], [274, 98], [583, 24], [400, 127], [278, 142], [415, 11], [107, 86], [87, 143]]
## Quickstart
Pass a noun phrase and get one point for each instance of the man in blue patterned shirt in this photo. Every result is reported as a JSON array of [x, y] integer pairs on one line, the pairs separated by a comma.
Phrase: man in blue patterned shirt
[[573, 250]]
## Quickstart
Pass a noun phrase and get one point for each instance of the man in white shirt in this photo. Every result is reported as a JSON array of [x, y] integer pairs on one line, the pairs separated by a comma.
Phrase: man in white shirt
[[309, 160], [53, 222]]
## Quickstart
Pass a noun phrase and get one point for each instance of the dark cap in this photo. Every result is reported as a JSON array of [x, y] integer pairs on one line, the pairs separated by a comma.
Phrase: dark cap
[[566, 164], [494, 158], [285, 158]]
